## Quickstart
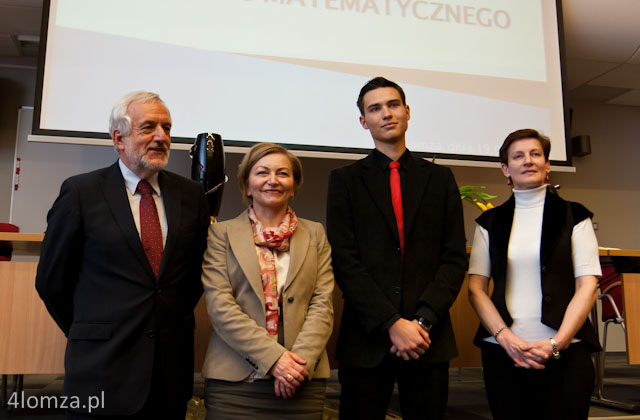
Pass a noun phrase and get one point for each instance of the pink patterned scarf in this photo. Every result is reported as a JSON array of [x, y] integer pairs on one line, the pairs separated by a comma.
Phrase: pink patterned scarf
[[268, 239]]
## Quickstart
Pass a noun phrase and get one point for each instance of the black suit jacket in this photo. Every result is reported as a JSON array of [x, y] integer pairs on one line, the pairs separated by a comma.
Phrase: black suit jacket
[[97, 284], [367, 262]]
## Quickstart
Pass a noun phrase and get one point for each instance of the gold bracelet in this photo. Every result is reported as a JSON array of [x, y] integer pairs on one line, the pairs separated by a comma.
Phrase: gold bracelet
[[499, 331]]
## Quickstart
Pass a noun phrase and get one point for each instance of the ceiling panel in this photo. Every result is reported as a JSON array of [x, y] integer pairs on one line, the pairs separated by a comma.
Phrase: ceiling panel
[[636, 57], [583, 71], [631, 98], [599, 94], [8, 46], [601, 30], [20, 17], [626, 75]]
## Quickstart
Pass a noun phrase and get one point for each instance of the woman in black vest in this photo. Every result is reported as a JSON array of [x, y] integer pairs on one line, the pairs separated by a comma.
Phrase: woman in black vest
[[542, 254]]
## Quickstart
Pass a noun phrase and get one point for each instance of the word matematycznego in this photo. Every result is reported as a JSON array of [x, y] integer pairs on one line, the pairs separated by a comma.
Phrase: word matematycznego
[[418, 9]]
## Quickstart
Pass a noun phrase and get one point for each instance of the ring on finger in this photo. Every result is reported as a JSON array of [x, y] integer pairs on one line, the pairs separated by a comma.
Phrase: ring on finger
[[289, 377]]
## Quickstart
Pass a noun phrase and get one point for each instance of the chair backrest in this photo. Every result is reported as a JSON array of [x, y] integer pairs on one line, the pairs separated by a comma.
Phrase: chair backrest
[[611, 284], [8, 227], [5, 251]]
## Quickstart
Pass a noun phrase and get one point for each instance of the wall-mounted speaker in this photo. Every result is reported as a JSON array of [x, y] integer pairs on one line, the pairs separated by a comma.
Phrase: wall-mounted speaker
[[581, 145]]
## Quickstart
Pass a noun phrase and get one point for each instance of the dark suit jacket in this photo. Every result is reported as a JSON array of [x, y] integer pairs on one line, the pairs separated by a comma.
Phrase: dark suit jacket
[[367, 262], [96, 282]]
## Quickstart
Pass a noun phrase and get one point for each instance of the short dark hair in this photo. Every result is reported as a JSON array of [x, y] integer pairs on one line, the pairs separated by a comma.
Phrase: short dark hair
[[376, 83], [525, 133], [257, 152]]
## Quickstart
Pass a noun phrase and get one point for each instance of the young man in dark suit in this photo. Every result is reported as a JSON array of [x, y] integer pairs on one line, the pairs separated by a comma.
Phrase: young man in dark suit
[[120, 272], [396, 229]]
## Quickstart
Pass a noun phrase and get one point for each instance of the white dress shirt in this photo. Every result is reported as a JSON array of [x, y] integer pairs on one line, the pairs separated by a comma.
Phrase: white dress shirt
[[131, 181]]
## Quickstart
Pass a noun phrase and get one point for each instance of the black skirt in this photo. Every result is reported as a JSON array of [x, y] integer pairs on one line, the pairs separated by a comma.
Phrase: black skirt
[[257, 400]]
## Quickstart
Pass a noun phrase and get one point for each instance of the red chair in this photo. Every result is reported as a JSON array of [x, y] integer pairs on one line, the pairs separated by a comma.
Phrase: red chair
[[612, 305]]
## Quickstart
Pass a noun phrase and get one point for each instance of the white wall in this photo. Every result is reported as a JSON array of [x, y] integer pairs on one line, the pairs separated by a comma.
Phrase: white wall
[[17, 87]]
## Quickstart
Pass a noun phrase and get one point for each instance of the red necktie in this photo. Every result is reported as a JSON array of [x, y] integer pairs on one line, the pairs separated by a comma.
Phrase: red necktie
[[150, 230], [396, 200]]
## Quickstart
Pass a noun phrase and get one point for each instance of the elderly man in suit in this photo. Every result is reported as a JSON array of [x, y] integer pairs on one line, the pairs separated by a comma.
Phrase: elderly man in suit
[[120, 272], [395, 226]]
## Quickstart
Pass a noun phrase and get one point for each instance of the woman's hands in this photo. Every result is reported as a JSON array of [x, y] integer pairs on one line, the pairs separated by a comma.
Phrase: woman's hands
[[544, 347], [288, 374], [525, 354]]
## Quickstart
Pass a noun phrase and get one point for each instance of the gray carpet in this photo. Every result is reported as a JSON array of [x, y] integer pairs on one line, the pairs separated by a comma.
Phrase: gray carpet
[[467, 399]]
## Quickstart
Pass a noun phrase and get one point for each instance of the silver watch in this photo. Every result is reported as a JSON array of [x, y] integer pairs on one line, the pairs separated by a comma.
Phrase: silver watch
[[424, 323], [555, 353]]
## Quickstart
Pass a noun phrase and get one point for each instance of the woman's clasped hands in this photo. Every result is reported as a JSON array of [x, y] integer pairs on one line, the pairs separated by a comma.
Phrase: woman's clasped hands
[[525, 354], [288, 374]]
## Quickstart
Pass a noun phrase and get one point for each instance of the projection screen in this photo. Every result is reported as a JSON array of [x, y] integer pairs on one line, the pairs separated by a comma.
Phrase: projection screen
[[289, 71]]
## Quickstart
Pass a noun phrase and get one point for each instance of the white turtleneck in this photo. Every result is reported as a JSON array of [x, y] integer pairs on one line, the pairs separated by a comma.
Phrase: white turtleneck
[[523, 288]]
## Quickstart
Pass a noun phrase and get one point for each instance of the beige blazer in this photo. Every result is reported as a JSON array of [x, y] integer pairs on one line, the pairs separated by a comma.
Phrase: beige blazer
[[239, 344]]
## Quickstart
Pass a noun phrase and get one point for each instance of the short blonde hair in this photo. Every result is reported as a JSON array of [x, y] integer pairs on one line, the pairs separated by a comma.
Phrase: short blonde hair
[[257, 152]]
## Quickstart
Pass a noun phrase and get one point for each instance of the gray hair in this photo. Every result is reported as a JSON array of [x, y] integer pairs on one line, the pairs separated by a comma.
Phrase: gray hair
[[119, 119]]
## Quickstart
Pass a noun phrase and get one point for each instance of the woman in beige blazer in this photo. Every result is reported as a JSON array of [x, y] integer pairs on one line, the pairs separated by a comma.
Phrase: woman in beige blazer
[[268, 284]]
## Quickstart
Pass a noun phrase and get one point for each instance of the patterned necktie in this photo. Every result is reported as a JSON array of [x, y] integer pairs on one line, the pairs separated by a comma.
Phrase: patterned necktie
[[396, 200], [150, 230]]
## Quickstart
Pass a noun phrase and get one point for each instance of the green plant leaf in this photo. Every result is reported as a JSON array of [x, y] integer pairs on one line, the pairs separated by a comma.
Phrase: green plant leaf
[[484, 196]]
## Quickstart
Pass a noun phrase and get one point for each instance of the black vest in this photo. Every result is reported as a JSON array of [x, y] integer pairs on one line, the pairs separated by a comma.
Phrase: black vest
[[556, 266]]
